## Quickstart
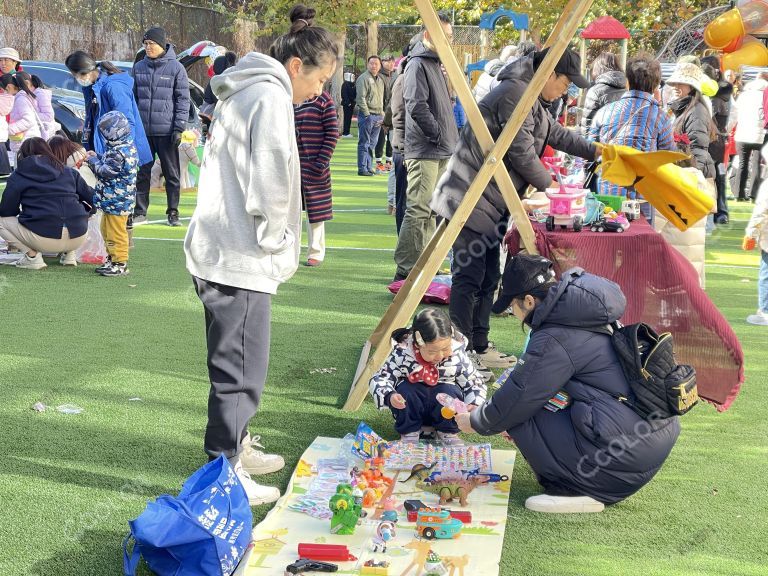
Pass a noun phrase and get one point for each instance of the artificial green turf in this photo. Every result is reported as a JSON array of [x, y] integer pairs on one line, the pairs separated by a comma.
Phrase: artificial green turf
[[70, 483]]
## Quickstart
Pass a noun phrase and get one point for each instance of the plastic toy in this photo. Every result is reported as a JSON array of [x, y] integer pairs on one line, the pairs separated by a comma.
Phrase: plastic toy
[[421, 549], [448, 489], [489, 475], [434, 565], [450, 405], [434, 523], [731, 33], [404, 456], [567, 207], [412, 508], [322, 552], [385, 531], [367, 443], [631, 209], [303, 565], [346, 512], [390, 513], [378, 568], [610, 221]]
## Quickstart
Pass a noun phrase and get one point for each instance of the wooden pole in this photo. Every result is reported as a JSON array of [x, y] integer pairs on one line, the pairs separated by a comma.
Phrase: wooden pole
[[414, 287]]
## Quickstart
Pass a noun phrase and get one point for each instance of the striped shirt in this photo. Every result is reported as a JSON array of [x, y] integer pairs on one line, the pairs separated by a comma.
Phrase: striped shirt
[[636, 120]]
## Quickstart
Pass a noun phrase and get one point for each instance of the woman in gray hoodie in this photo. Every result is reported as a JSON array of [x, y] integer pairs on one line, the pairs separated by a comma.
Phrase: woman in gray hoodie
[[245, 235]]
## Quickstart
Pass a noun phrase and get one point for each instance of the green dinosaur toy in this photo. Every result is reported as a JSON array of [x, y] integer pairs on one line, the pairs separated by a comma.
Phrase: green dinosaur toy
[[346, 512]]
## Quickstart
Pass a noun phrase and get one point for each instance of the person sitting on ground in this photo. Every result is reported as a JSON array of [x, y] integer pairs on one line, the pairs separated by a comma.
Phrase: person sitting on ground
[[430, 358], [44, 208], [476, 251], [115, 196], [562, 404]]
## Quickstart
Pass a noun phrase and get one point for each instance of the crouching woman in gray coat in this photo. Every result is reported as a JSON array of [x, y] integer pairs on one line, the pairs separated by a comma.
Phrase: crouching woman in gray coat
[[562, 404]]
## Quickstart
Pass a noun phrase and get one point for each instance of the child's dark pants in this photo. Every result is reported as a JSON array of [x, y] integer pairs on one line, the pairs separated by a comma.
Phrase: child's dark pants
[[237, 333], [422, 407]]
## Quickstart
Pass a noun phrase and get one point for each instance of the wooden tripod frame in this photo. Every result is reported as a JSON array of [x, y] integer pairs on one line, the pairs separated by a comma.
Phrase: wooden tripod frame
[[407, 299]]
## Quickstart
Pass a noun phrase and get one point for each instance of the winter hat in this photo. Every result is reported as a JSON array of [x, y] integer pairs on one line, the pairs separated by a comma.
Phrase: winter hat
[[521, 275], [508, 52], [114, 126], [157, 35], [687, 73], [11, 53]]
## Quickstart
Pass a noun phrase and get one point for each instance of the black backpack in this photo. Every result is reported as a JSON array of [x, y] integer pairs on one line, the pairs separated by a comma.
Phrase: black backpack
[[661, 387]]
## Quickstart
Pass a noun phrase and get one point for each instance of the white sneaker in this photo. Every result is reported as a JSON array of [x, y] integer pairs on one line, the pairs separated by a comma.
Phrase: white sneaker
[[34, 263], [449, 439], [492, 358], [563, 504], [760, 318], [257, 461], [484, 372], [257, 494], [68, 259]]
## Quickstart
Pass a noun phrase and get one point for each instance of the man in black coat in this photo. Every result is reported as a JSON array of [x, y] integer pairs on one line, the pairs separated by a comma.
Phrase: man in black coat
[[476, 251], [162, 94], [562, 404], [348, 97], [430, 137]]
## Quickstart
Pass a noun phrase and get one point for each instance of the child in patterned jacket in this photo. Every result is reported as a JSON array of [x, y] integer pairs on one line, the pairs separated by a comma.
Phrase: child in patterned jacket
[[115, 196], [428, 358]]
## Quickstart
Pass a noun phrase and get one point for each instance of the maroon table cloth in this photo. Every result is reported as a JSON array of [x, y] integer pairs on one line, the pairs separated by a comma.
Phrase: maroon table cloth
[[662, 290]]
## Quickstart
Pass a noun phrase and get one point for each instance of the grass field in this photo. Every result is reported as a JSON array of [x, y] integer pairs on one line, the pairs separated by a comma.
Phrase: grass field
[[70, 483]]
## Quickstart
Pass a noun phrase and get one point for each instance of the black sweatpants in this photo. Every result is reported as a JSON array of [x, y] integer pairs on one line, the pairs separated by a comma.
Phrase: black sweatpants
[[401, 186], [422, 407], [383, 137], [166, 149], [748, 171], [476, 274], [348, 110], [237, 331]]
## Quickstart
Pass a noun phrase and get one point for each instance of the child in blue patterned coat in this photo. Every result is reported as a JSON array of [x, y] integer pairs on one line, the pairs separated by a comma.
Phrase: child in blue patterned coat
[[115, 196], [430, 357]]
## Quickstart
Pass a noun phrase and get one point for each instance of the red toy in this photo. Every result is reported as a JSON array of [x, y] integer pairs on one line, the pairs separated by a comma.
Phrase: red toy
[[323, 552]]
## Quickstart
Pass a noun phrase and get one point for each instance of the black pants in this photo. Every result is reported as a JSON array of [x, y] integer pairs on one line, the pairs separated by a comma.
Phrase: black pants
[[348, 110], [168, 152], [383, 137], [749, 169], [5, 164], [237, 331], [401, 185], [422, 407], [722, 200], [476, 275]]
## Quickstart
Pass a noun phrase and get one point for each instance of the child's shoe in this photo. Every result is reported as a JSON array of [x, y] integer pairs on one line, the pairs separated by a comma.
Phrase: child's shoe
[[106, 266], [35, 262], [411, 437], [257, 494], [257, 461], [116, 269], [449, 439], [68, 259]]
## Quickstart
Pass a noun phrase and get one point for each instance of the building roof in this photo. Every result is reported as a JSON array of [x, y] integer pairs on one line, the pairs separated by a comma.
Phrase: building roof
[[605, 28]]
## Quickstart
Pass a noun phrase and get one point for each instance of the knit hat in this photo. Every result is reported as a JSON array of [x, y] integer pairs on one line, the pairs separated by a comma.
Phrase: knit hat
[[157, 35], [521, 275], [11, 53], [687, 73]]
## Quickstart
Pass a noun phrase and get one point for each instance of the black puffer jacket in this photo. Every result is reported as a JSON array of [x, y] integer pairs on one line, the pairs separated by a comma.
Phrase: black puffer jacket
[[695, 124], [597, 446], [522, 159], [430, 127], [721, 110], [608, 88], [162, 94]]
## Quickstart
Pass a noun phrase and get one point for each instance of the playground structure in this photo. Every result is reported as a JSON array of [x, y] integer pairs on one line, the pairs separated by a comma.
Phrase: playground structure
[[487, 24]]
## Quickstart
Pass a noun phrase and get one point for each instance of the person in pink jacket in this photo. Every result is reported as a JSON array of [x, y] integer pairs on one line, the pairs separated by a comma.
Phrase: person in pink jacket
[[24, 121], [43, 105]]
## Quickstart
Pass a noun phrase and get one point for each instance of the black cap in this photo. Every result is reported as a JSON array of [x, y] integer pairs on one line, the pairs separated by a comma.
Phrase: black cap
[[569, 64], [157, 35], [522, 274]]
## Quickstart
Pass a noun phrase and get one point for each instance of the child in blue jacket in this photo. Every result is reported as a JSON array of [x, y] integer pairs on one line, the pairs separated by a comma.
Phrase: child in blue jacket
[[115, 196]]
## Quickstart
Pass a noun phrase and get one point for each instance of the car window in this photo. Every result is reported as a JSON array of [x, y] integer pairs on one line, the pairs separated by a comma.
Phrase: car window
[[55, 78]]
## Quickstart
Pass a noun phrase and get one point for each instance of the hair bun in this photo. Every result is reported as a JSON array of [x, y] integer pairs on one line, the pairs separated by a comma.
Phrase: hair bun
[[301, 17]]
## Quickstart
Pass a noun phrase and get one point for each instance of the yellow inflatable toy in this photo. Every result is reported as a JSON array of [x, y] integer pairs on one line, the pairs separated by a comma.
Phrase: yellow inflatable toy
[[730, 33], [672, 190]]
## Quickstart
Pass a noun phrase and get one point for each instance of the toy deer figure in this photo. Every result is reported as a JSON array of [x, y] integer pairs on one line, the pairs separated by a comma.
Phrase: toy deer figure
[[422, 548], [454, 562]]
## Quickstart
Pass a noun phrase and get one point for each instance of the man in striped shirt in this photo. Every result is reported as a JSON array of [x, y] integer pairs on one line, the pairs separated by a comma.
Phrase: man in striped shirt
[[636, 119]]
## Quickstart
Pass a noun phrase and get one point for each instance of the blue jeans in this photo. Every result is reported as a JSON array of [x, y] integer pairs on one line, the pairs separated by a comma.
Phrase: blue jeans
[[368, 129], [762, 283]]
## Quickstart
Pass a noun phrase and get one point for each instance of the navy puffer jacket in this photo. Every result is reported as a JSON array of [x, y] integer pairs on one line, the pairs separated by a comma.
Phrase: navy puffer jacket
[[162, 93], [597, 446]]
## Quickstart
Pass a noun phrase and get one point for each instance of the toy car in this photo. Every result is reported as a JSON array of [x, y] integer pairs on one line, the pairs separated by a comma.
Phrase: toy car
[[434, 523], [567, 207], [604, 225], [412, 508]]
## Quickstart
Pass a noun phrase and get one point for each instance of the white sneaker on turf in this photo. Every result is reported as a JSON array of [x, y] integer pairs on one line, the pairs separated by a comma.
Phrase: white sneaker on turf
[[35, 262], [492, 358], [484, 372], [563, 504], [760, 318], [257, 494], [68, 259], [257, 461]]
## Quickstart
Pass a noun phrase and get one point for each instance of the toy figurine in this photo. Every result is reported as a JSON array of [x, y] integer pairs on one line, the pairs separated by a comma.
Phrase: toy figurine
[[385, 531], [450, 405], [434, 565], [447, 490], [389, 510], [567, 206], [374, 567], [346, 512]]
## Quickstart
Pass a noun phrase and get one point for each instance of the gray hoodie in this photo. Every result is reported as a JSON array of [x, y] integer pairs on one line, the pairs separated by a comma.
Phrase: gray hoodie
[[246, 229]]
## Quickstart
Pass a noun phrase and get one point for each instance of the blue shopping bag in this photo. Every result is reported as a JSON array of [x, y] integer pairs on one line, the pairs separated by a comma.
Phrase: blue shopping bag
[[202, 532]]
